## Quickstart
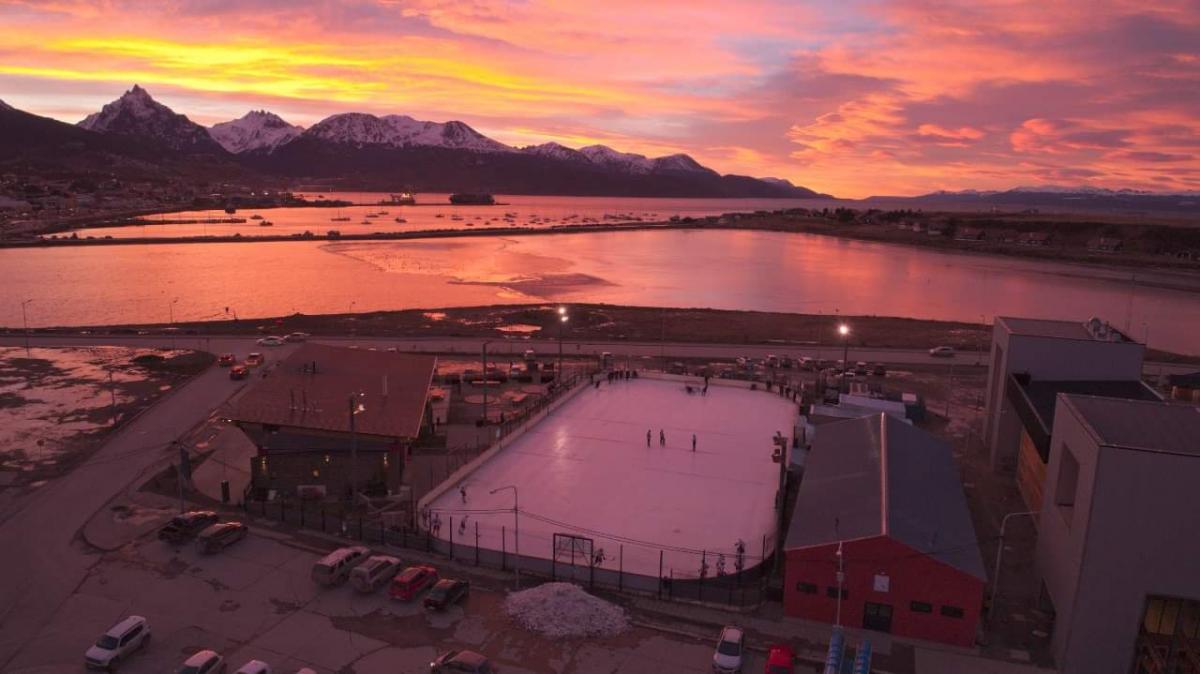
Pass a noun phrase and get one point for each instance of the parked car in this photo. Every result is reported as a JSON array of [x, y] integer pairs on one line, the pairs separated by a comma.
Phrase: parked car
[[807, 363], [942, 352], [254, 667], [254, 359], [238, 372], [727, 659], [270, 341], [204, 662], [446, 592], [860, 368], [296, 337], [335, 568], [226, 360], [220, 536], [374, 573], [880, 370], [462, 661], [119, 642], [185, 526], [412, 581], [781, 659]]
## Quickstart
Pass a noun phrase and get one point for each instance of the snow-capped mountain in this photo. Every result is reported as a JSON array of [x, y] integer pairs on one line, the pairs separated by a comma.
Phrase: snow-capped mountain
[[135, 113], [6, 106], [1059, 190], [626, 162], [555, 151], [679, 163], [361, 129], [257, 130]]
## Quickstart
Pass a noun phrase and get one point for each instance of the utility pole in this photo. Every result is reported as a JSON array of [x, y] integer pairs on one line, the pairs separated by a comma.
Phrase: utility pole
[[112, 393], [516, 530], [25, 322], [355, 408], [485, 382], [841, 579], [844, 331], [1000, 555]]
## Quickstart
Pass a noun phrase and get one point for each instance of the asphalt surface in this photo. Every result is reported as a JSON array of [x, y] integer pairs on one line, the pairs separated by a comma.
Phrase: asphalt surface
[[43, 558]]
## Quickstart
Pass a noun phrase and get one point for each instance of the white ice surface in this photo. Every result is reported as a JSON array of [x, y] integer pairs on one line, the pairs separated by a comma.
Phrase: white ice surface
[[587, 466]]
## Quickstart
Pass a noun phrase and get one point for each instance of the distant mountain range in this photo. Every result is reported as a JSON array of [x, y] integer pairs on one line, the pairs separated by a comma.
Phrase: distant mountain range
[[1051, 197], [359, 150]]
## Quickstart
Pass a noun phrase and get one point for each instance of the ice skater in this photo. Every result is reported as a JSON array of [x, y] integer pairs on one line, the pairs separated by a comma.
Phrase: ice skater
[[693, 443], [662, 438], [647, 437], [462, 491]]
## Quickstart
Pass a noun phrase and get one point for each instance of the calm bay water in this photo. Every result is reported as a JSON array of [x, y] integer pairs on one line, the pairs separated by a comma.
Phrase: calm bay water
[[767, 271], [435, 212]]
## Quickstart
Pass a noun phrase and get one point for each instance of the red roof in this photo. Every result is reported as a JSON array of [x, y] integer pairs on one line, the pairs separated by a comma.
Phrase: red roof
[[312, 389]]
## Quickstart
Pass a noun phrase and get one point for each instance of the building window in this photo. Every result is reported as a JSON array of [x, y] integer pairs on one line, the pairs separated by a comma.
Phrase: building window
[[952, 611], [1067, 483], [326, 458], [1169, 635], [832, 592], [920, 607], [806, 588], [316, 472]]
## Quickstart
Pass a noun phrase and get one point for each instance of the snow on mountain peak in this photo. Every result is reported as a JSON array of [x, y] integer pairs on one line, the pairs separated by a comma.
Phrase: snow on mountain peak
[[257, 129], [357, 128], [136, 113], [608, 157], [680, 163], [554, 151], [6, 106]]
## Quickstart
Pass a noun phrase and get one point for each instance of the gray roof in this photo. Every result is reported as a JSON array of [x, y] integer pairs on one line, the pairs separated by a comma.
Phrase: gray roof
[[312, 388], [878, 476], [1040, 327], [1135, 424], [1044, 394]]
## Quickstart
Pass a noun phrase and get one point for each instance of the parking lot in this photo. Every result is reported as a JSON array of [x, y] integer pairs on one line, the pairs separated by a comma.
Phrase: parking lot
[[255, 600]]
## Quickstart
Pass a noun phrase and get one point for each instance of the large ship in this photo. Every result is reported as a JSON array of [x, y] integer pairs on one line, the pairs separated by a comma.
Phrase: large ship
[[472, 198]]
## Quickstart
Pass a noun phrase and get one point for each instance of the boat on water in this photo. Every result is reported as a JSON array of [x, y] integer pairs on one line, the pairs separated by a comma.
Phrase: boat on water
[[266, 223], [340, 218], [405, 198], [256, 216], [383, 212], [401, 220], [472, 198]]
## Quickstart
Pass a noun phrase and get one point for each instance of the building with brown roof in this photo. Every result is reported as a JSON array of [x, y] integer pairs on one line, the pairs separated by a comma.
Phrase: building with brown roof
[[330, 417]]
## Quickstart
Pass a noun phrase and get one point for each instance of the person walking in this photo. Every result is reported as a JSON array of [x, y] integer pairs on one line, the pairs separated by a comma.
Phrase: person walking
[[647, 437], [462, 491], [662, 438], [693, 442]]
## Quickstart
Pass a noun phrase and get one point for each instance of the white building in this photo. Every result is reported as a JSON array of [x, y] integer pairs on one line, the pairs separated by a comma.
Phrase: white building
[[1118, 545]]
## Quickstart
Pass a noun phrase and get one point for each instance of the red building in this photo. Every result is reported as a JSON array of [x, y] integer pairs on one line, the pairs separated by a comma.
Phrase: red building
[[890, 498]]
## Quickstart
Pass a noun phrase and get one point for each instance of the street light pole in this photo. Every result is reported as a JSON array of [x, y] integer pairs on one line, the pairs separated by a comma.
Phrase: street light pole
[[844, 331], [355, 408], [841, 579], [1000, 555], [562, 322], [485, 382], [516, 530], [25, 323]]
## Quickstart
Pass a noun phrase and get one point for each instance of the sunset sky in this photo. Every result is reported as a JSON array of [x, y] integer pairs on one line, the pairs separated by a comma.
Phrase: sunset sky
[[844, 96]]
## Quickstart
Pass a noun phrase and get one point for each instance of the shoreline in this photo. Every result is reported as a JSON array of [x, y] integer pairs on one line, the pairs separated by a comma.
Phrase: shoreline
[[592, 322], [1108, 262]]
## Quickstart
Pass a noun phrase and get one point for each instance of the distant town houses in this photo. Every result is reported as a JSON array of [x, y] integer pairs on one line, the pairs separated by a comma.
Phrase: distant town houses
[[1106, 244], [1034, 238], [970, 234]]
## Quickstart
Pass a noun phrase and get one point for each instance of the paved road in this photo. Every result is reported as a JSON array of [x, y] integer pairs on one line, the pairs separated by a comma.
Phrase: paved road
[[502, 347], [43, 561]]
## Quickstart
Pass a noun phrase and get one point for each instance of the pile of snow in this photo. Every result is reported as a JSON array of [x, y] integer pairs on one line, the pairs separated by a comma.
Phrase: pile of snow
[[565, 610]]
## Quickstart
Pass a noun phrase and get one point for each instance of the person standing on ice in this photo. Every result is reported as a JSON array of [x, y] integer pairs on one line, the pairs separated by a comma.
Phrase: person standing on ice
[[462, 491], [693, 442], [662, 438], [647, 437]]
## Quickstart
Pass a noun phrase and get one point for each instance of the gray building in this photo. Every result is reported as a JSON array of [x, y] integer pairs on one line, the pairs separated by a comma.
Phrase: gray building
[[1052, 351], [1118, 547]]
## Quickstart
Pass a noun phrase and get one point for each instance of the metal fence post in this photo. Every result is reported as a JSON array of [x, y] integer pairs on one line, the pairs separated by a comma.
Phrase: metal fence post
[[477, 544], [503, 549], [451, 537], [621, 567]]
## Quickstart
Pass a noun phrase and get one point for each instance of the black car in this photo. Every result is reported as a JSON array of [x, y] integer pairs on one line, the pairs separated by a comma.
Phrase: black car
[[220, 536], [446, 592], [185, 526]]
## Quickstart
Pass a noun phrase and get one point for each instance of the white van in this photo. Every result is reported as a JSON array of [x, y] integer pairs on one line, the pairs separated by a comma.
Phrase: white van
[[374, 573], [334, 568]]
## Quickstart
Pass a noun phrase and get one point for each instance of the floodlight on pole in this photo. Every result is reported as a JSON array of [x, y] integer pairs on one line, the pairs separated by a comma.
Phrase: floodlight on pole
[[844, 331], [562, 322]]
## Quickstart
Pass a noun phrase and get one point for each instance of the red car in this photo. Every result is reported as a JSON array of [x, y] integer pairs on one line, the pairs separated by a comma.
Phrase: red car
[[238, 372], [412, 581], [781, 660], [226, 360]]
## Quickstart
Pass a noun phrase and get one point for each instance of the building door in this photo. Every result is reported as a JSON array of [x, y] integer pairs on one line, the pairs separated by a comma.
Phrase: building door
[[877, 617]]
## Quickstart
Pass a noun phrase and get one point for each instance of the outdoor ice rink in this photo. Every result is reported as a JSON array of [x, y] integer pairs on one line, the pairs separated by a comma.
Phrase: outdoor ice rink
[[586, 470]]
